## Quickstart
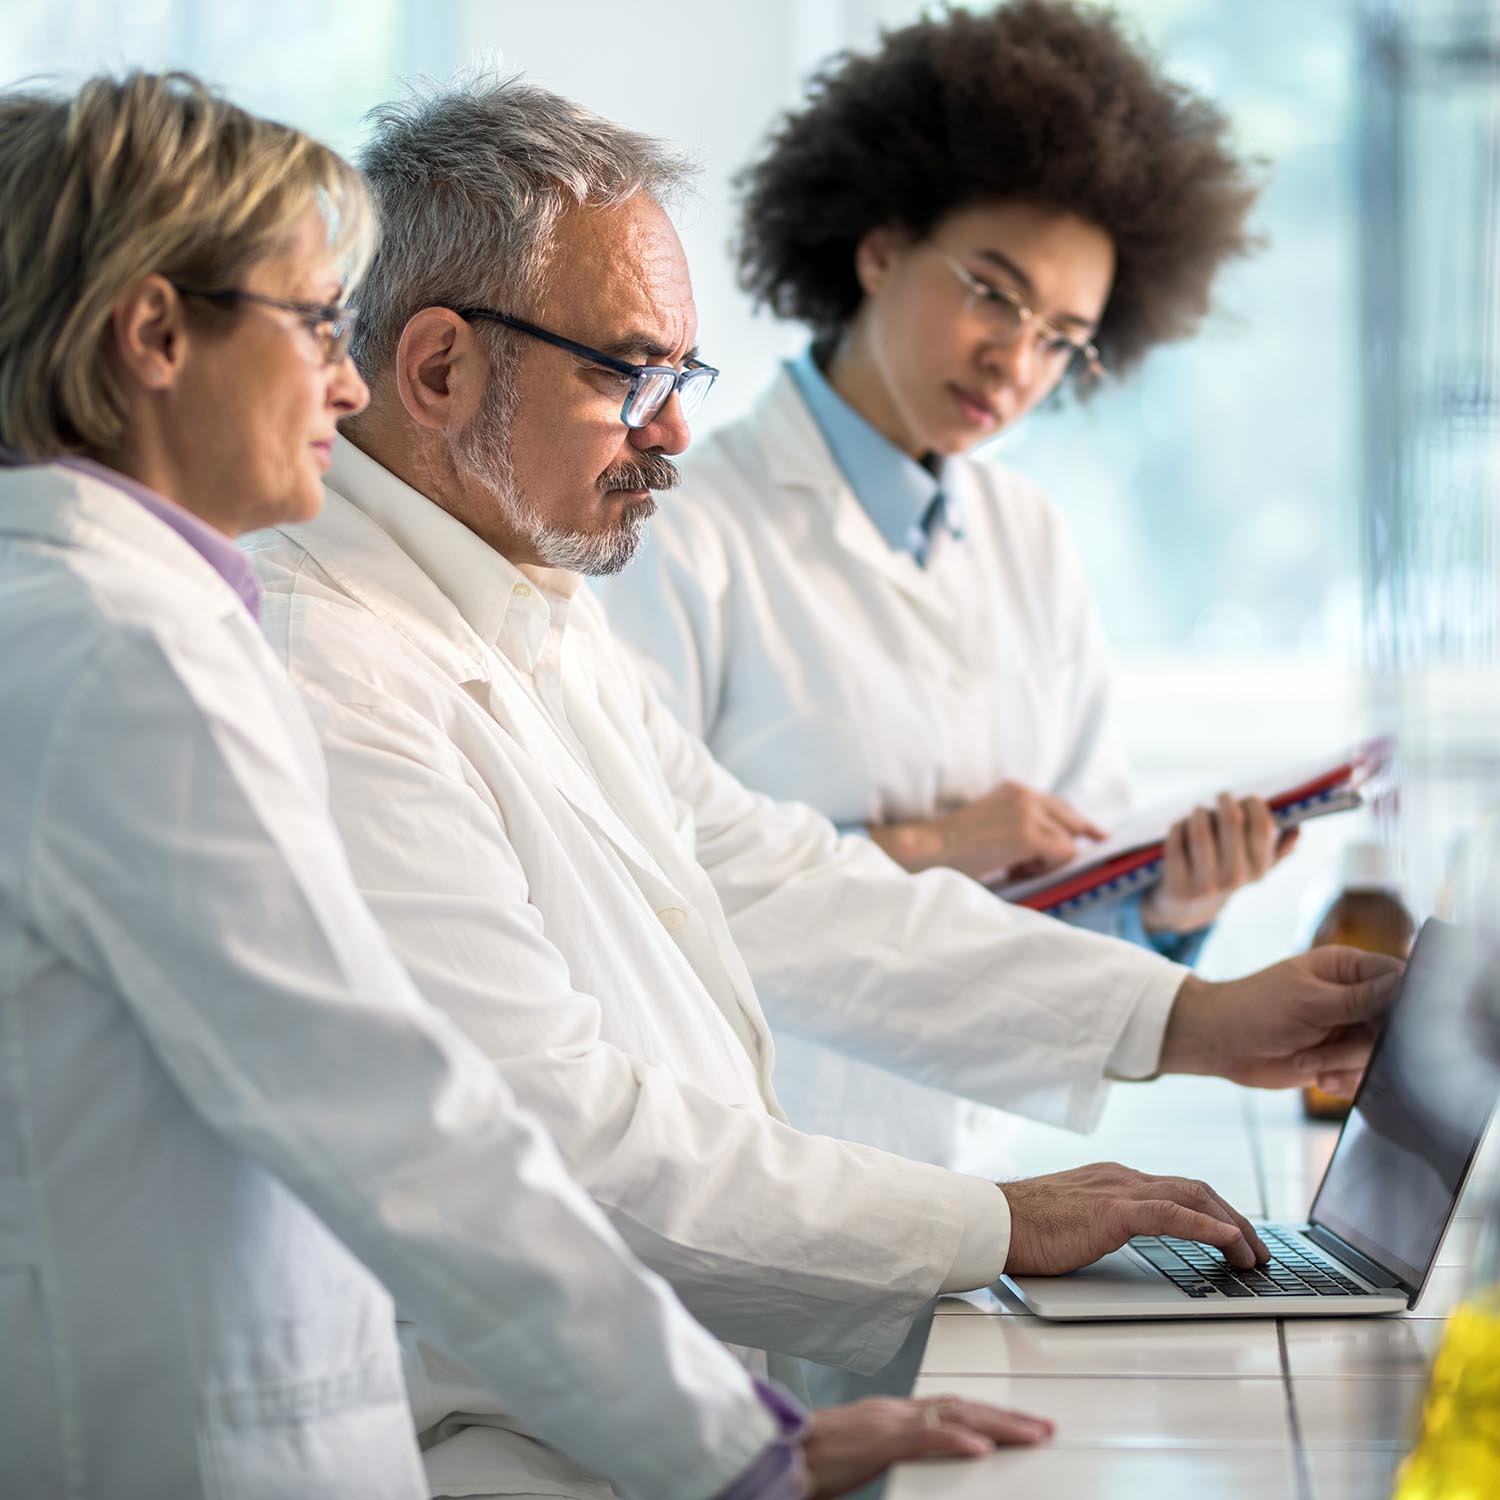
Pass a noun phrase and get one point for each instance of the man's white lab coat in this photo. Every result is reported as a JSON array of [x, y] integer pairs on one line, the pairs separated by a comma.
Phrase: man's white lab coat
[[568, 874], [820, 664], [225, 1111]]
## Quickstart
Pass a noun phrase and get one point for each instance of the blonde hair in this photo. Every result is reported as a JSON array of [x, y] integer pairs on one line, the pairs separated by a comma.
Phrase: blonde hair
[[147, 173]]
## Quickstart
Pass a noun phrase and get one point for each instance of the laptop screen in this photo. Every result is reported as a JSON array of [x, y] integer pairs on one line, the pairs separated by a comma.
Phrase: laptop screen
[[1395, 1176]]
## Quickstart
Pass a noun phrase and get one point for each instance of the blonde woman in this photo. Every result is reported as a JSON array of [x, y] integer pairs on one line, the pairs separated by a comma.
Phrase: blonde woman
[[226, 1117]]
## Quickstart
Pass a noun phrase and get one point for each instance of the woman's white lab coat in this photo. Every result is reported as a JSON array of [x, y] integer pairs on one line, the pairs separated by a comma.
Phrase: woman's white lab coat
[[822, 666], [224, 1110]]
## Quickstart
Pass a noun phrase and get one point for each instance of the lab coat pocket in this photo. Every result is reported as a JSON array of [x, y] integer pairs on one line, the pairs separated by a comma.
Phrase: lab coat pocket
[[340, 1435]]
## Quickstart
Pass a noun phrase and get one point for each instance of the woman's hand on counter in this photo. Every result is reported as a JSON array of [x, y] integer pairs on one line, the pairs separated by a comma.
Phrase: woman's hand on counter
[[849, 1445]]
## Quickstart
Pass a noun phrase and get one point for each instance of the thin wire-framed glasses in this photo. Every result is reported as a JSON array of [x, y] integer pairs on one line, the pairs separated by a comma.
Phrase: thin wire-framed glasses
[[330, 323], [1007, 317], [651, 386]]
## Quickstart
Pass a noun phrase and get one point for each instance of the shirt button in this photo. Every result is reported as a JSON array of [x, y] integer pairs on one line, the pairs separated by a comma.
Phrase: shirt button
[[522, 591], [673, 918]]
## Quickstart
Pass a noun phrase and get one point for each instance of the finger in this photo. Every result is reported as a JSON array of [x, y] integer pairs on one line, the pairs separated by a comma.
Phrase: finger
[[1203, 851], [1286, 841], [943, 1439], [1369, 999], [1049, 846], [1246, 1227], [1074, 821], [1340, 1085], [995, 1422], [1229, 843], [1164, 1216], [1260, 835], [1348, 1052], [1352, 965], [1177, 868]]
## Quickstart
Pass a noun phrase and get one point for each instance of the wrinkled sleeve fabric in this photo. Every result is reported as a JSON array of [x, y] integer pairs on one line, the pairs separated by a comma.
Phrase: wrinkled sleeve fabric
[[927, 975], [811, 1246], [181, 854]]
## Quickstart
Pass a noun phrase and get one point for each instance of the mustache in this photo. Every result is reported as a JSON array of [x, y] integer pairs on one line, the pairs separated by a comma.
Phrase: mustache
[[648, 471]]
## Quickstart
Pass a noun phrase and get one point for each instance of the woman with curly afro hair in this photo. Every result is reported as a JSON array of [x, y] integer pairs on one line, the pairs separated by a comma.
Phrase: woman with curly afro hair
[[986, 211]]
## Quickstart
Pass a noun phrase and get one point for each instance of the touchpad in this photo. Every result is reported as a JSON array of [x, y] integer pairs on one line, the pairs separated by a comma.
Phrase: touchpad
[[1115, 1266]]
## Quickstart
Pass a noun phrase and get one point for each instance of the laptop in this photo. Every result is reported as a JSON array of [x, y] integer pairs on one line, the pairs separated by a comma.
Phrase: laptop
[[1380, 1213]]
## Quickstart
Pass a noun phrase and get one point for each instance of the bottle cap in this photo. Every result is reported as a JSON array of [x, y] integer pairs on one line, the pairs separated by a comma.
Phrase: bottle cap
[[1370, 866]]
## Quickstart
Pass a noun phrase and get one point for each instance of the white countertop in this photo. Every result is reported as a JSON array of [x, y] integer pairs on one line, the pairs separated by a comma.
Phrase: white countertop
[[1302, 1408]]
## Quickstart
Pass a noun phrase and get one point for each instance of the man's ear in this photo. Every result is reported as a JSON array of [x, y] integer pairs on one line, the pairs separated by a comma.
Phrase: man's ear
[[877, 253], [149, 333], [441, 373]]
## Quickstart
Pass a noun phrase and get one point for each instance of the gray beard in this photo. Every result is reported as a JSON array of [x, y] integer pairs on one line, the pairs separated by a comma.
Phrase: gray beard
[[596, 553], [482, 449]]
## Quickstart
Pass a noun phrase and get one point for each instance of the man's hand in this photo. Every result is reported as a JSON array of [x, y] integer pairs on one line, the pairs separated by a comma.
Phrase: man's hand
[[1311, 1019], [849, 1445], [1069, 1219], [1210, 854], [1010, 831]]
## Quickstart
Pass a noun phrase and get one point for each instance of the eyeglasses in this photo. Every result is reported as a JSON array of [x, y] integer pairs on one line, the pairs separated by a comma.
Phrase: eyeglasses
[[651, 386], [330, 323], [1007, 317]]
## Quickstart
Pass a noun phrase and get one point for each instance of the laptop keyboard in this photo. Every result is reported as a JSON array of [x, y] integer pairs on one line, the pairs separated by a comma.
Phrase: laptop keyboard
[[1293, 1271]]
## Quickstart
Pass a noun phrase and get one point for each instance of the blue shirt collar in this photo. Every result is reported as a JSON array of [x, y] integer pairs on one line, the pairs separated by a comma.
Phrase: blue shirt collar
[[895, 490]]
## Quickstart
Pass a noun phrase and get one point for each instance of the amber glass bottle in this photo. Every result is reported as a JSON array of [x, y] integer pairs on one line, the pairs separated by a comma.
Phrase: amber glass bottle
[[1367, 913]]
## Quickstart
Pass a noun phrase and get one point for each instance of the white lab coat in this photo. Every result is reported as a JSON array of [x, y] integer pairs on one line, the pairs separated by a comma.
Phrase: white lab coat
[[224, 1110], [571, 877], [819, 664]]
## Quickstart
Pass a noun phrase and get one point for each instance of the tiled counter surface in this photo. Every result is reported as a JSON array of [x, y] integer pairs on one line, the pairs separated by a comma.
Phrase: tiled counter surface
[[1307, 1409]]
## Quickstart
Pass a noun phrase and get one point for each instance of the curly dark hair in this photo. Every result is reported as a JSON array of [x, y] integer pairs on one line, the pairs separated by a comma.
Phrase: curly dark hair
[[1042, 100]]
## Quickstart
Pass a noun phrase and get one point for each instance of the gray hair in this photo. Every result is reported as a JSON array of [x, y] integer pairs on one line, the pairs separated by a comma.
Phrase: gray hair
[[470, 180]]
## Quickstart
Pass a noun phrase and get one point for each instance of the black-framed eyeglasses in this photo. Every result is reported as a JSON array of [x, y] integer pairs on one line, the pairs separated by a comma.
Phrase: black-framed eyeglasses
[[651, 386], [330, 323]]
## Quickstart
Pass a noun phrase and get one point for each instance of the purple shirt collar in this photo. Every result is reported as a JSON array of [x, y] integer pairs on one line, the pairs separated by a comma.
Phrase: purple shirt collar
[[216, 549]]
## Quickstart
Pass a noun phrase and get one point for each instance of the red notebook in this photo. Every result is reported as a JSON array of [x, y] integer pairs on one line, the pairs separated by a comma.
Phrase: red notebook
[[1131, 860]]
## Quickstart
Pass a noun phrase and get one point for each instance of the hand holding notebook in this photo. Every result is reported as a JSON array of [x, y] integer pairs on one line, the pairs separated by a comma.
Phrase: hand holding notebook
[[1131, 859]]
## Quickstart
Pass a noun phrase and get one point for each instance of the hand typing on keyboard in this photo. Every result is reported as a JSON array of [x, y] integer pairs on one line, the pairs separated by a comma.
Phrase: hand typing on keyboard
[[1292, 1271], [1069, 1219]]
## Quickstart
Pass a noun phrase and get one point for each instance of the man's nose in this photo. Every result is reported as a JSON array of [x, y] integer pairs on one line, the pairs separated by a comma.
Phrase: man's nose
[[667, 432]]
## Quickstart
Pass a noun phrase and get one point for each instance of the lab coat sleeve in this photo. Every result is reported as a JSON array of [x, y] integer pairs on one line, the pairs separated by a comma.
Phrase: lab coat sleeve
[[670, 605], [181, 855], [927, 975], [808, 1245]]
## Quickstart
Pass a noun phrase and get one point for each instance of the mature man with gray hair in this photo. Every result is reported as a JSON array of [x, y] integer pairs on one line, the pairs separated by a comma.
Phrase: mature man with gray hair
[[604, 909]]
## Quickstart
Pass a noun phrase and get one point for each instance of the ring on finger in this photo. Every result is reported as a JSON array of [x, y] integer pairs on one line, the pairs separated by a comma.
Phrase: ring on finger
[[935, 1412]]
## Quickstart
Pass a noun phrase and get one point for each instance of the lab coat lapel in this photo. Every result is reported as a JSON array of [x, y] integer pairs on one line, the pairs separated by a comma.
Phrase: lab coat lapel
[[59, 505], [368, 563], [576, 780], [799, 458], [659, 863]]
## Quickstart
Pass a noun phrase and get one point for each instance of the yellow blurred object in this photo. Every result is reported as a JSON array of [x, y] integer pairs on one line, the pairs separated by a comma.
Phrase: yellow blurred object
[[1458, 1455]]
